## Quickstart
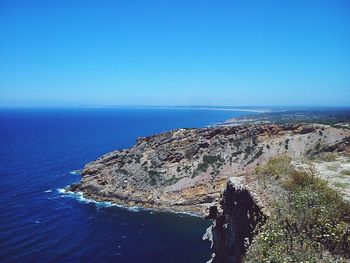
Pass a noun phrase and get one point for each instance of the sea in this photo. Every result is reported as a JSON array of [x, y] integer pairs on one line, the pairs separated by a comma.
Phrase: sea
[[42, 151]]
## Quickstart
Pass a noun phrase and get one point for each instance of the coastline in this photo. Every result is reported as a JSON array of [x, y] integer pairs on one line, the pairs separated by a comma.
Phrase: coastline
[[122, 178], [134, 206], [186, 170], [187, 108], [250, 127], [98, 201]]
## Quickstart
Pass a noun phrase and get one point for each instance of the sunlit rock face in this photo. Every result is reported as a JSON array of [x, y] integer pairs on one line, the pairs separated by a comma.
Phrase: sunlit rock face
[[187, 169]]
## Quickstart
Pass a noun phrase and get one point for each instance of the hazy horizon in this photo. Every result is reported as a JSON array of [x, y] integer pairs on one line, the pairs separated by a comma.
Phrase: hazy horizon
[[260, 109]]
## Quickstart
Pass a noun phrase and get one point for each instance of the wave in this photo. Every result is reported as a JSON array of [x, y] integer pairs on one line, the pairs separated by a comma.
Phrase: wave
[[80, 197], [75, 172]]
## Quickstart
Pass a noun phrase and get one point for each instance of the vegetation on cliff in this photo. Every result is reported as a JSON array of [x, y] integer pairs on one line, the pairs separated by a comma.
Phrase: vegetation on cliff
[[308, 223]]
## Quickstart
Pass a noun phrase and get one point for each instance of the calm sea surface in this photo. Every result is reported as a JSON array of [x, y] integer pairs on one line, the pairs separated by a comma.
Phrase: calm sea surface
[[40, 148]]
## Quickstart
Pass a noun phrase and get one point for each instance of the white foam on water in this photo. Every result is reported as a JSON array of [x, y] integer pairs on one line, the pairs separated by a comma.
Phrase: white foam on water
[[188, 214], [135, 209], [100, 204], [48, 191], [61, 190], [80, 197]]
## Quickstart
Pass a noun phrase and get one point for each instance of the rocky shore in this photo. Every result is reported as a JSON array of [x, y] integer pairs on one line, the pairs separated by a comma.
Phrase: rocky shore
[[207, 171], [187, 169]]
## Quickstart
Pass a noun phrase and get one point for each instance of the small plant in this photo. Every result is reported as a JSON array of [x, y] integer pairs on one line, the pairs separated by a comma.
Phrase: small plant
[[318, 147], [203, 167], [328, 157], [256, 155], [341, 185], [345, 172], [211, 159], [187, 168], [286, 144], [123, 171], [154, 176], [247, 151], [172, 180], [138, 158], [332, 167], [277, 167], [208, 160]]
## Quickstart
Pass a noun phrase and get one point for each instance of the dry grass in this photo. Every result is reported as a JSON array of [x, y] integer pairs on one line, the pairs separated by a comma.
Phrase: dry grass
[[310, 219], [328, 157], [345, 172], [276, 167]]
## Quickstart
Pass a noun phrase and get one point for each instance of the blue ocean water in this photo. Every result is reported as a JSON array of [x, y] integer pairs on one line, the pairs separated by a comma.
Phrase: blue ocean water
[[38, 150]]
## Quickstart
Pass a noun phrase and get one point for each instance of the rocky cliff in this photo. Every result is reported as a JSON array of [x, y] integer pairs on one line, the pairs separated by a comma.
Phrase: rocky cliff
[[235, 219], [187, 169]]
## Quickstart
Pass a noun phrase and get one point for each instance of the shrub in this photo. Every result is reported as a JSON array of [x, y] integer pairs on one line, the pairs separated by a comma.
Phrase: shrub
[[154, 176], [277, 166], [203, 167], [328, 157], [211, 159], [345, 172], [286, 144], [206, 162], [256, 155], [138, 158], [310, 219], [318, 147]]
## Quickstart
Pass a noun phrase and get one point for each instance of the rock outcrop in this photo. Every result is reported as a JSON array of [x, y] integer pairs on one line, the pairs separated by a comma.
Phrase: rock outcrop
[[235, 219], [187, 169]]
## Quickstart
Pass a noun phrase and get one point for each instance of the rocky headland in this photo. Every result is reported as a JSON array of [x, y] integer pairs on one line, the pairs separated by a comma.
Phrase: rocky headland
[[208, 171], [187, 169]]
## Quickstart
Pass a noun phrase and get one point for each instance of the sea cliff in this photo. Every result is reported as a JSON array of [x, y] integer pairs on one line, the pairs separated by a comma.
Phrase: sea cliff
[[211, 172], [187, 169]]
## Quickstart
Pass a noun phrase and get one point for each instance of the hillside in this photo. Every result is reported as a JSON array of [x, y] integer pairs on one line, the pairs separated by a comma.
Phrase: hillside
[[187, 169]]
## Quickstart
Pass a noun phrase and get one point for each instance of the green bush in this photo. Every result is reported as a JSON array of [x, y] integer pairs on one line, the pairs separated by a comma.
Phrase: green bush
[[206, 162], [286, 144], [154, 176], [310, 219], [277, 167], [211, 159]]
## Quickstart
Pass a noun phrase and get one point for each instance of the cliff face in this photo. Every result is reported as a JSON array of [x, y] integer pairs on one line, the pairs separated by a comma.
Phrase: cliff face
[[187, 169], [235, 219]]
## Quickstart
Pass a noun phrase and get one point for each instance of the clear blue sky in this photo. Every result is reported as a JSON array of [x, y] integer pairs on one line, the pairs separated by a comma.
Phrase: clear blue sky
[[178, 52]]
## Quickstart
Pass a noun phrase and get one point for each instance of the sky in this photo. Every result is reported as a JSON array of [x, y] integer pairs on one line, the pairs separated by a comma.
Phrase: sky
[[175, 52]]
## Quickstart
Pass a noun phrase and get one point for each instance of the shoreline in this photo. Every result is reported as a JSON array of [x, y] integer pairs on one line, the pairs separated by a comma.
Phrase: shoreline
[[100, 201], [134, 208], [185, 108]]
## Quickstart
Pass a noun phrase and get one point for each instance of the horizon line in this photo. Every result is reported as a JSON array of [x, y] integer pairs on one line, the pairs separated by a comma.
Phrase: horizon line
[[255, 108]]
